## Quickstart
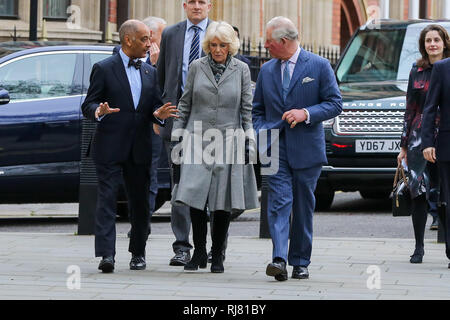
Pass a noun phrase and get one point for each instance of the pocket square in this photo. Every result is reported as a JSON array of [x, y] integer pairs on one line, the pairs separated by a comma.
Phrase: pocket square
[[307, 80]]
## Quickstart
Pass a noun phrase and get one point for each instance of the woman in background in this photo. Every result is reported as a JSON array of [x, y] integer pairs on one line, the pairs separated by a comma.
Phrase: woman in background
[[434, 45]]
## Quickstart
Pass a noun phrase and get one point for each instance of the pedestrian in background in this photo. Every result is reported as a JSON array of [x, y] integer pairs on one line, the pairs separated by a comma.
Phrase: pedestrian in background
[[434, 45], [238, 55], [180, 45], [217, 95], [437, 149]]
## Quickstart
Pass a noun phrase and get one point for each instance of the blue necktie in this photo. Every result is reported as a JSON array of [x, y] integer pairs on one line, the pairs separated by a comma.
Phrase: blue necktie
[[286, 79], [195, 45]]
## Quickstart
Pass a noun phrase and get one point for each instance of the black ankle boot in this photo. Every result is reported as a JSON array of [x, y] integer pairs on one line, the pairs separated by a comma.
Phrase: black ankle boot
[[417, 256], [217, 263], [199, 260], [220, 227], [199, 230]]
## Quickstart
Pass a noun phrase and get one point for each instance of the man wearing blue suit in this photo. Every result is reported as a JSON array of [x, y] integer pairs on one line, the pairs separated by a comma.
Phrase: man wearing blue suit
[[123, 98], [438, 148], [295, 92]]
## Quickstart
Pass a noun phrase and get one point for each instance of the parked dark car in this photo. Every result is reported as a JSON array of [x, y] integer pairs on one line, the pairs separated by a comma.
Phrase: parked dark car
[[363, 142], [43, 86]]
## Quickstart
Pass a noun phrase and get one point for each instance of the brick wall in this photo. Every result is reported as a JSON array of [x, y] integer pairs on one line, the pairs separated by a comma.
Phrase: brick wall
[[405, 9], [112, 11], [336, 36]]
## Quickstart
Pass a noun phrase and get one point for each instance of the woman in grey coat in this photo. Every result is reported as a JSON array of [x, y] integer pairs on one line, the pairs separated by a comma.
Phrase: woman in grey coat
[[215, 122]]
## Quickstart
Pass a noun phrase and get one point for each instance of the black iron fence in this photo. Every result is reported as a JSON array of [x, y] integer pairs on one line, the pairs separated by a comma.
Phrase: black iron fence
[[332, 53]]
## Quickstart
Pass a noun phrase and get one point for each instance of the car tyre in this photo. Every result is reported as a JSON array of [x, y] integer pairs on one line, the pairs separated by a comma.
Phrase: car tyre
[[324, 201]]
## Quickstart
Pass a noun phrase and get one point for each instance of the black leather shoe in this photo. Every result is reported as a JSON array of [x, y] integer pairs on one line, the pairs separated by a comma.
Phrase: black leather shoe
[[300, 273], [107, 264], [137, 263], [278, 270], [180, 259]]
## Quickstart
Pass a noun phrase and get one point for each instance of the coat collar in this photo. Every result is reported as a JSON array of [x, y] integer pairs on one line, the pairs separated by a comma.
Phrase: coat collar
[[232, 67]]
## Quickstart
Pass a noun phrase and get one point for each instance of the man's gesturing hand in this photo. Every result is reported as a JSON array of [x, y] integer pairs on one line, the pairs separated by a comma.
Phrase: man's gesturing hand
[[104, 109], [166, 111]]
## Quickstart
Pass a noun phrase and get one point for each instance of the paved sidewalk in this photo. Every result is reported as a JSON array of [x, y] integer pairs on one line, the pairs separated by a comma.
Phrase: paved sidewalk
[[34, 266]]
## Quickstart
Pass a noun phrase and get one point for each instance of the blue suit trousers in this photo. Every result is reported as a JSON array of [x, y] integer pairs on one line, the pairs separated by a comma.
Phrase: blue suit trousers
[[292, 191]]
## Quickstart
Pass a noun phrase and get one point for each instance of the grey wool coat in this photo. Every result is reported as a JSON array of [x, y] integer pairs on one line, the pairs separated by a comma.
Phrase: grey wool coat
[[222, 183]]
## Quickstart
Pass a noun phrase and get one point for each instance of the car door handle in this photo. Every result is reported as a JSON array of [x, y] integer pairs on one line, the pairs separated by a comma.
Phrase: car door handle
[[53, 124]]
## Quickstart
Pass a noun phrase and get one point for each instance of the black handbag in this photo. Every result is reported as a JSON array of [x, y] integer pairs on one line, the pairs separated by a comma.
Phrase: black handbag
[[401, 197]]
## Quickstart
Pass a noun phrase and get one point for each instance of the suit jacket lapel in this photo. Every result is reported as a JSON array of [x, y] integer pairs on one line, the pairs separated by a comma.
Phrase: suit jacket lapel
[[119, 71], [145, 88], [300, 70], [179, 40], [277, 78]]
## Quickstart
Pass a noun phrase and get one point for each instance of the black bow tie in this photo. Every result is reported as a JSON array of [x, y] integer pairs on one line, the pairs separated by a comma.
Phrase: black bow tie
[[137, 64]]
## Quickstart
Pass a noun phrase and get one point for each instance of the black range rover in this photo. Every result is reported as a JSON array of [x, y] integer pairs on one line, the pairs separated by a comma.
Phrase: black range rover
[[364, 141]]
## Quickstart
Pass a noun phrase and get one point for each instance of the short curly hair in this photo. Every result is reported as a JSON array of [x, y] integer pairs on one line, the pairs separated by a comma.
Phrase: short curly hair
[[225, 33]]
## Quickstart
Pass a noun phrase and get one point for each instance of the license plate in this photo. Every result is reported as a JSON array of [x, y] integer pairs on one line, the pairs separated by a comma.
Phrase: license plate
[[377, 146]]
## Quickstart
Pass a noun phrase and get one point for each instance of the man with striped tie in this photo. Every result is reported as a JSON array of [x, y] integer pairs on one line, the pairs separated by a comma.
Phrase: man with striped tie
[[180, 45]]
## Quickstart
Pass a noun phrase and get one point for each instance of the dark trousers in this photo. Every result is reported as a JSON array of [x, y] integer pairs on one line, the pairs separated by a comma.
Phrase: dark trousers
[[137, 184], [180, 218], [156, 155], [444, 173]]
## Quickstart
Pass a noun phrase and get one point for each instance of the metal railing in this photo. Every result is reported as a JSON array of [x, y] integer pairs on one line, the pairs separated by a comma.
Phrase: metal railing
[[259, 55]]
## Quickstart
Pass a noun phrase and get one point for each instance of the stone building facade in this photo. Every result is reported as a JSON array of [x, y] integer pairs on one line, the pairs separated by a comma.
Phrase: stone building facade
[[327, 23]]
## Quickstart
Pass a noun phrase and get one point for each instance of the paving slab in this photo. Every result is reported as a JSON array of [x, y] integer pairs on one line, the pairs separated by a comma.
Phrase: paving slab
[[36, 266]]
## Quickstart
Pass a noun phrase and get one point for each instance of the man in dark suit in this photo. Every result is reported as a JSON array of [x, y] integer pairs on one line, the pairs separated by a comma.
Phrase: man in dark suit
[[180, 45], [122, 98], [156, 26], [240, 56], [438, 149], [295, 92]]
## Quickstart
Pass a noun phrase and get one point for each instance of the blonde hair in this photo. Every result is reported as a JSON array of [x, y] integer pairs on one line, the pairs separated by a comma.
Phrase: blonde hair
[[225, 33]]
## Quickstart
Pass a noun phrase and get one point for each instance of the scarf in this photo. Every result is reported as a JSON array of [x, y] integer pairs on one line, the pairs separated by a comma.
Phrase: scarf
[[217, 68]]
